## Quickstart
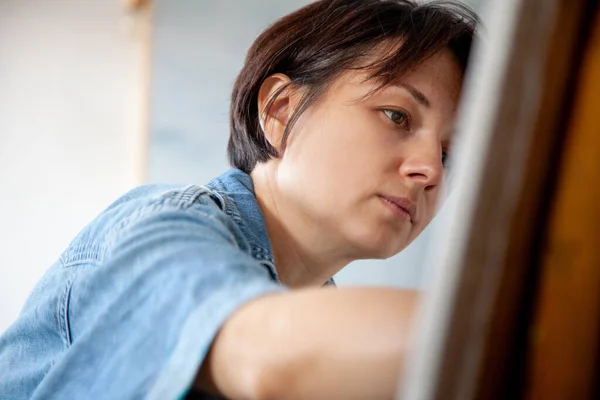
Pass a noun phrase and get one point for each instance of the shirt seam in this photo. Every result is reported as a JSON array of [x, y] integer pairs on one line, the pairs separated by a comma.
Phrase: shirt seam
[[113, 235], [63, 313]]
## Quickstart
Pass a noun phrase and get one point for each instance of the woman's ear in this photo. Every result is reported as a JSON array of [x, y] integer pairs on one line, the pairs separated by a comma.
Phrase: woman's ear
[[274, 115]]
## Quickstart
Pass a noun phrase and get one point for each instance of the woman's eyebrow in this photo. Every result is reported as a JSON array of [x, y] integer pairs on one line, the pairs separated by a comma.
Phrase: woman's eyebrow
[[415, 93]]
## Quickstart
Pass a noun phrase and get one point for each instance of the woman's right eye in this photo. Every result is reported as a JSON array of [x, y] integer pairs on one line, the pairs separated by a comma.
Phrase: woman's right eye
[[399, 118]]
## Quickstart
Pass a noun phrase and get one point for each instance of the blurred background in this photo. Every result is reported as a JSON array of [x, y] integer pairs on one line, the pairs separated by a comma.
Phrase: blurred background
[[99, 96]]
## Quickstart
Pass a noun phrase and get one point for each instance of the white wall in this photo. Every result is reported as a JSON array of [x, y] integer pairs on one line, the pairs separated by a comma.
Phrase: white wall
[[71, 80]]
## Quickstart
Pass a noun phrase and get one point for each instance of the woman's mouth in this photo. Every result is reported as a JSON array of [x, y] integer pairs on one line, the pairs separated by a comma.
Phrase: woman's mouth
[[400, 207]]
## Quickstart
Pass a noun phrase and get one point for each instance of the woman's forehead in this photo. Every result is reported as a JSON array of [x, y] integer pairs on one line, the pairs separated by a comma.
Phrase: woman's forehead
[[438, 75]]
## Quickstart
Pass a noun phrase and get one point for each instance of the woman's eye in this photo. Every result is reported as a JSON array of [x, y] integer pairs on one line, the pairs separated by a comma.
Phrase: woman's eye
[[445, 157], [397, 117]]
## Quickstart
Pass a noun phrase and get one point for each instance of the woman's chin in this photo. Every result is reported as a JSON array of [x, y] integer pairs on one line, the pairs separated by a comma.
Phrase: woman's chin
[[377, 246]]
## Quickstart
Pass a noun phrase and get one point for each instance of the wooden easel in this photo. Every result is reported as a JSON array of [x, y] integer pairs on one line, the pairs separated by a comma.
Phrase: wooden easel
[[514, 309]]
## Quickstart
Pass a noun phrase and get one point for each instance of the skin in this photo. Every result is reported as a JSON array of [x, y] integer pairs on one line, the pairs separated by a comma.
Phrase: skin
[[321, 197], [322, 206]]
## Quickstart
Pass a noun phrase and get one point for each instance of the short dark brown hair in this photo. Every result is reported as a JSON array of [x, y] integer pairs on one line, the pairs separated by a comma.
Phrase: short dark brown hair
[[317, 43]]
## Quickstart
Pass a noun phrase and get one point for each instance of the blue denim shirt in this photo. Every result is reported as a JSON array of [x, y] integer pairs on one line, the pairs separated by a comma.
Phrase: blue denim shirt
[[131, 307]]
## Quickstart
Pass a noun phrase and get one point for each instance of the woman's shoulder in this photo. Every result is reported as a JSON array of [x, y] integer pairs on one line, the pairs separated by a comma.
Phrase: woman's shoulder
[[150, 205]]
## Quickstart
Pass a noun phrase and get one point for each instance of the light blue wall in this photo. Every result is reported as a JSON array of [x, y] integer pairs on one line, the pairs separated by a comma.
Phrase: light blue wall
[[199, 46]]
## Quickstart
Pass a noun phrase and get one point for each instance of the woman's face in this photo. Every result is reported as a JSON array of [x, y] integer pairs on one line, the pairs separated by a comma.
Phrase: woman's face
[[365, 173]]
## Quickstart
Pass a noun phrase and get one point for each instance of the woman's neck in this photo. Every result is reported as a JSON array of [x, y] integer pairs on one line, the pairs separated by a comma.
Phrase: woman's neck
[[302, 258]]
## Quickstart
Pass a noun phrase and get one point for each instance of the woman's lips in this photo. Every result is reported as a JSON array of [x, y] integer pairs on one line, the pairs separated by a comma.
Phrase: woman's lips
[[401, 207]]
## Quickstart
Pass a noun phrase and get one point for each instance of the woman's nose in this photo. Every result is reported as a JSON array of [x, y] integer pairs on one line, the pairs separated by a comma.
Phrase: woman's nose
[[422, 166]]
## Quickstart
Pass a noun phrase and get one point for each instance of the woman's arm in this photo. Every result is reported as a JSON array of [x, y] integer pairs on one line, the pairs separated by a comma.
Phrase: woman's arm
[[313, 344]]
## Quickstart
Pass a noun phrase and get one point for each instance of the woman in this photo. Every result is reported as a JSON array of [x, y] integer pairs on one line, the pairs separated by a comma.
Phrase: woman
[[341, 121]]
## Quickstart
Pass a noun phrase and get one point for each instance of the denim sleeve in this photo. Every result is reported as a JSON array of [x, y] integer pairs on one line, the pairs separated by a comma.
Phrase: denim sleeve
[[142, 322]]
